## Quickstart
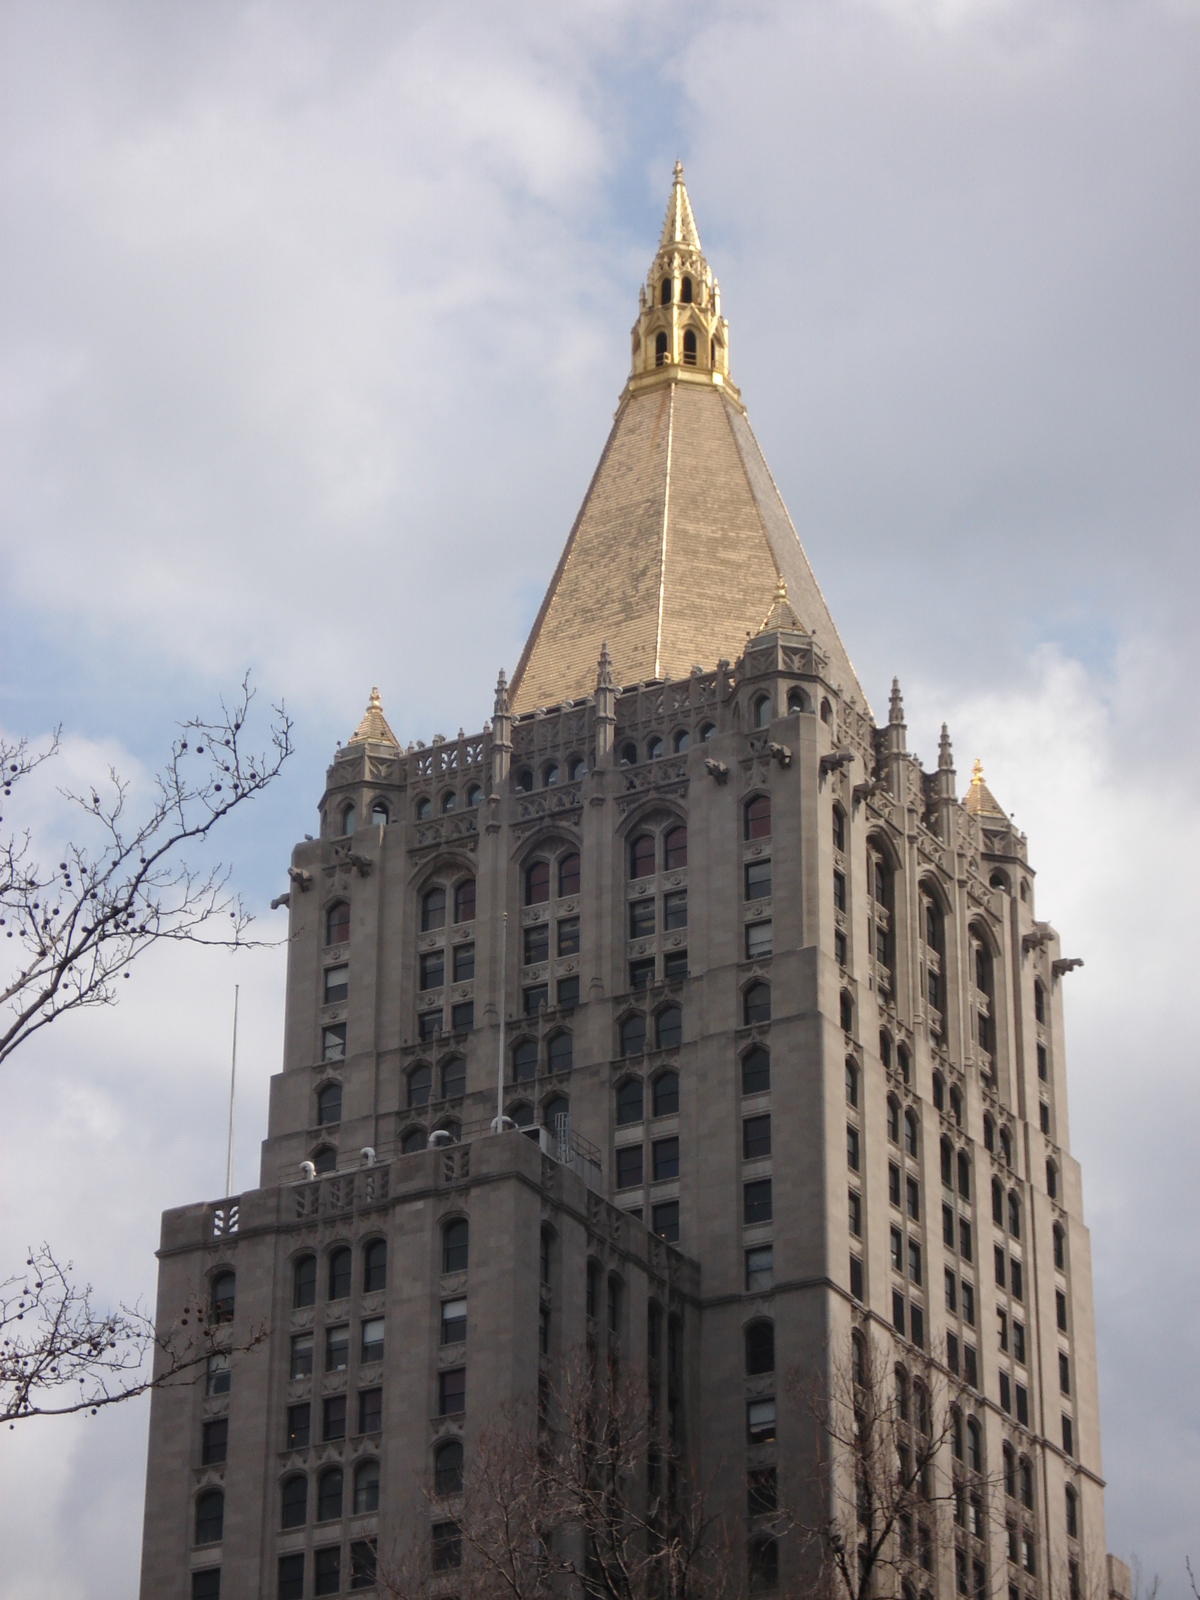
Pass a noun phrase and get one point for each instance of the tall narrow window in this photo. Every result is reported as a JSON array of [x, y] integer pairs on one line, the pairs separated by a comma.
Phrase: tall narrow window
[[758, 817]]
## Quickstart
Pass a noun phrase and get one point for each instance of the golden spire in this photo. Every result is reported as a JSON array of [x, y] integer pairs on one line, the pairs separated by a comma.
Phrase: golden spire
[[781, 618], [680, 333], [373, 728], [979, 799]]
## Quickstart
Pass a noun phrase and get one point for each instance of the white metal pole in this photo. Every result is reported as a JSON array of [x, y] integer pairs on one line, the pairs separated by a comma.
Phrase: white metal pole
[[232, 1085], [499, 1125]]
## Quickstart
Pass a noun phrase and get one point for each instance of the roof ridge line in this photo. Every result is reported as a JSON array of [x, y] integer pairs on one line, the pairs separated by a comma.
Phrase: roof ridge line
[[662, 559]]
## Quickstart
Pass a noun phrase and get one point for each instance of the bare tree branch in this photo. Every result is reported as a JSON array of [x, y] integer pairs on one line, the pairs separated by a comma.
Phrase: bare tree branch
[[127, 885], [59, 1355]]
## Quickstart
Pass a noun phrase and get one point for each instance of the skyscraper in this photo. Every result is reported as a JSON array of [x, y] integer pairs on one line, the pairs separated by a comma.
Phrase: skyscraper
[[677, 1010]]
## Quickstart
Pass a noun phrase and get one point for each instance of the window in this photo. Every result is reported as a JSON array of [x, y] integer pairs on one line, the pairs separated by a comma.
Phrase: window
[[756, 1201], [913, 1197], [291, 1577], [668, 1028], [329, 1104], [1060, 1310], [214, 1442], [760, 1348], [898, 1312], [897, 1240], [329, 1495], [964, 1238], [217, 1374], [1064, 1372], [433, 910], [760, 712], [939, 1092], [429, 1025], [756, 1005], [852, 1148], [1072, 1514], [759, 1269], [675, 910], [641, 975], [362, 1564], [841, 950], [847, 1012], [910, 1134], [762, 1495], [1039, 1001], [756, 1137], [474, 795], [1044, 1116], [206, 1584], [325, 1159], [763, 1562], [666, 1094], [855, 1213], [968, 1303], [641, 856], [537, 883], [524, 1060], [294, 1512], [675, 965], [629, 753], [964, 1175], [760, 1421], [894, 1184], [568, 936], [454, 1246], [839, 891], [756, 1071], [665, 1158], [759, 941], [327, 1570], [1016, 1288], [222, 1297], [334, 1419], [1026, 1483], [568, 875], [420, 1084], [614, 1305], [654, 749], [464, 962], [633, 1036], [337, 923], [675, 842], [446, 1545], [535, 999], [550, 775], [1019, 1342], [370, 1410], [372, 1340], [412, 1141], [839, 829], [758, 880], [758, 817], [559, 1053], [851, 1082], [1059, 1250], [665, 1221], [629, 1166], [1052, 1180], [452, 1392], [856, 1277], [333, 1042], [893, 1121], [340, 1264], [210, 1517], [301, 1363], [641, 918], [433, 969], [629, 1102], [298, 1427]]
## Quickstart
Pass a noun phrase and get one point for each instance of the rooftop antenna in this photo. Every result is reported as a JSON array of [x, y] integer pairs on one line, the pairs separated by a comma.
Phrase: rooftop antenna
[[232, 1083]]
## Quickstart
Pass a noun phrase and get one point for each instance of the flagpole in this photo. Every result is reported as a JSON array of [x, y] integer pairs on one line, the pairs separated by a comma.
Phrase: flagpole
[[232, 1085]]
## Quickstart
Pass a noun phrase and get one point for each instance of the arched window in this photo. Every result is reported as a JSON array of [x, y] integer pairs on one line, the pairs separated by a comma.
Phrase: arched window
[[550, 775], [522, 1114], [675, 849], [760, 1348], [826, 712], [222, 1297], [997, 1202], [758, 817], [448, 1468], [524, 1060], [633, 1036], [852, 1083], [474, 795], [629, 755], [366, 1487], [654, 749], [454, 1079], [666, 1094], [329, 1104], [374, 1266], [349, 818], [797, 700], [839, 828], [1039, 1000], [433, 910], [629, 1102], [664, 294], [1005, 1147], [893, 1119], [974, 1446], [423, 809], [910, 1134], [210, 1517], [454, 1246], [847, 1012], [577, 769], [341, 1264], [304, 1282], [523, 782], [760, 713], [964, 1174], [956, 1435], [689, 348], [885, 1048], [324, 1159], [858, 1361], [464, 901], [685, 292], [420, 1085], [412, 1141], [756, 1070], [905, 1064], [295, 1501], [641, 856], [706, 732], [682, 741], [379, 814], [756, 1004], [1052, 1180], [560, 1052], [568, 876], [989, 1134], [329, 1495], [557, 1106], [337, 923], [668, 1028], [923, 1409], [660, 340], [1060, 1252], [947, 1163], [956, 1107], [537, 883], [1014, 1215], [1026, 1475]]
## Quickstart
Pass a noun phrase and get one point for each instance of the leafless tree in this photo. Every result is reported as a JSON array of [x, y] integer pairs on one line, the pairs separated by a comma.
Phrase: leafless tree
[[126, 885], [59, 1354], [585, 1496], [879, 1443]]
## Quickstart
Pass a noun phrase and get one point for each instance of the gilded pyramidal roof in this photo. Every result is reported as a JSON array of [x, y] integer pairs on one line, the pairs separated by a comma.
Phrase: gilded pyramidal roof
[[682, 543]]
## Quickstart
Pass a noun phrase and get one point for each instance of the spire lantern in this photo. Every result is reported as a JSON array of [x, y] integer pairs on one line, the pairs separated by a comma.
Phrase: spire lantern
[[680, 332]]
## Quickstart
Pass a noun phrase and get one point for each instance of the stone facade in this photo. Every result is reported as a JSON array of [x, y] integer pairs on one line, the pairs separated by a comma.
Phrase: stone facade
[[774, 994]]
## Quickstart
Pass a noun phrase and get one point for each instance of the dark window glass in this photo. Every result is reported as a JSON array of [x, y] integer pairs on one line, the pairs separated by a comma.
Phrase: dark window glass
[[374, 1266], [894, 1183], [329, 1104], [898, 1312], [629, 1166], [337, 923], [665, 1154], [333, 1042], [304, 1282], [760, 1348], [762, 1495], [452, 1392], [964, 1238], [668, 1028], [298, 1425], [206, 1585], [448, 1468], [568, 936], [1016, 1287], [675, 965], [371, 1348], [758, 817], [756, 1137], [429, 1025], [329, 1495], [629, 1102], [839, 891], [447, 1546], [464, 901], [641, 975], [433, 969], [633, 1036], [665, 1220], [537, 944], [568, 875], [855, 1214], [675, 843], [756, 1070], [222, 1297], [560, 1052], [913, 1197], [370, 1410], [524, 1060], [214, 1441], [340, 1266], [433, 910], [454, 1321], [759, 940], [464, 962], [917, 1326], [641, 856], [856, 1277], [675, 910], [757, 1003], [295, 1502], [756, 1201], [334, 1420], [210, 1517], [325, 1159], [641, 918], [759, 1268], [454, 1079], [758, 880], [537, 883], [851, 1084], [852, 1148], [337, 1348], [420, 1084], [454, 1246], [362, 1564], [327, 1570], [666, 1094]]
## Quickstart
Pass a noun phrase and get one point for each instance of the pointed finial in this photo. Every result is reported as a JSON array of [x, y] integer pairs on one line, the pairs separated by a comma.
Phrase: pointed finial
[[501, 706], [373, 728], [977, 773], [679, 172], [604, 677], [374, 703], [896, 703], [945, 753], [781, 588]]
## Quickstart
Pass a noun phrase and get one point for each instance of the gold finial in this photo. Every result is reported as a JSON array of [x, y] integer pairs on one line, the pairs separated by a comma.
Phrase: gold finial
[[781, 588], [374, 704], [977, 772], [679, 172]]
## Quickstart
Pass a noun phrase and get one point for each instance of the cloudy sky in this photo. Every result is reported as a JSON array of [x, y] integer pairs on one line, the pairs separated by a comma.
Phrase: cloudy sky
[[314, 317]]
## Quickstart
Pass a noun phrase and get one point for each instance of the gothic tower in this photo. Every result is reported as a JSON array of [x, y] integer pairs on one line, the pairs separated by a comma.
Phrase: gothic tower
[[679, 1013]]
